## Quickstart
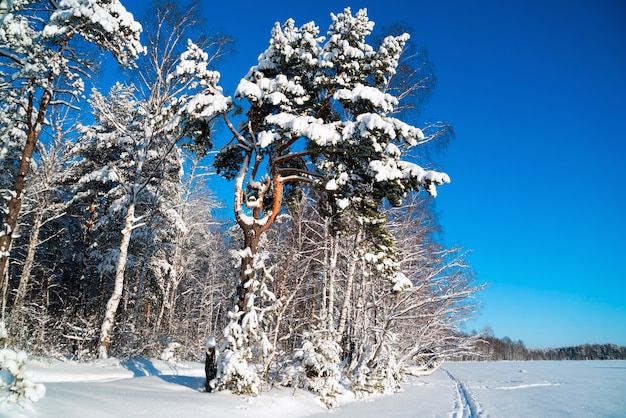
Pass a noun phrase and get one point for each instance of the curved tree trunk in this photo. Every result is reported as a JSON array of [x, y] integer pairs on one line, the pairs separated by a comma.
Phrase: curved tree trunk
[[114, 301]]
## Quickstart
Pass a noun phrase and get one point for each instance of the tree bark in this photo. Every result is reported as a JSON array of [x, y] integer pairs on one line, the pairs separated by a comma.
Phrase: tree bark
[[114, 301], [15, 204], [345, 307]]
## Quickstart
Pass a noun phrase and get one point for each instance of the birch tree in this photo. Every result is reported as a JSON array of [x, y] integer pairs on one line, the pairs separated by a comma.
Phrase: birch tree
[[162, 79]]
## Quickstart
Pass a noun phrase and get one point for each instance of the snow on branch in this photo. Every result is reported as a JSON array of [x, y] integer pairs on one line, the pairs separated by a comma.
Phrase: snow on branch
[[380, 100], [390, 170], [307, 126], [105, 23], [202, 99]]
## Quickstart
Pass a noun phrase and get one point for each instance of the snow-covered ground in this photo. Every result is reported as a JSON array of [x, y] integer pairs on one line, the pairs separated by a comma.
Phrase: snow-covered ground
[[154, 388]]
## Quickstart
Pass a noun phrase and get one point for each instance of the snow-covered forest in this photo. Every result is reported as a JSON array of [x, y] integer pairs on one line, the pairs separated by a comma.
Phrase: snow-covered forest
[[332, 269]]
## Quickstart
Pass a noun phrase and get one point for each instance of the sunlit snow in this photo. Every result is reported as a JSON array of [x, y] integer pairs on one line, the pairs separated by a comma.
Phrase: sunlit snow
[[156, 388]]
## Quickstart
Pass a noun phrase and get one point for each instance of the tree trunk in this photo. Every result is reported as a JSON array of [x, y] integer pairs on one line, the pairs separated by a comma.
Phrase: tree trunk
[[15, 204], [82, 282], [247, 273], [325, 277], [345, 307], [329, 279], [372, 360], [28, 262], [164, 303], [3, 293], [172, 304], [114, 300]]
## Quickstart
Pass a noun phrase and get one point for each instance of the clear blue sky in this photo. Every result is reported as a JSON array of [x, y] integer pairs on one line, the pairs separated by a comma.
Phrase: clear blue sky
[[536, 93]]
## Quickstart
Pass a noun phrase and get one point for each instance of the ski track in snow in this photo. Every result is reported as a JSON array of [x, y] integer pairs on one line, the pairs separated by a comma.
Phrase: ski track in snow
[[465, 405]]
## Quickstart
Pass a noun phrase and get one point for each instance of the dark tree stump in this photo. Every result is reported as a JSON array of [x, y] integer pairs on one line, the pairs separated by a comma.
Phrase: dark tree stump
[[210, 367]]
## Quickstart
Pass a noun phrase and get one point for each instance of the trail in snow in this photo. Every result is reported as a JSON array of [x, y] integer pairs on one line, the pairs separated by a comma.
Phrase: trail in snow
[[465, 404], [540, 389]]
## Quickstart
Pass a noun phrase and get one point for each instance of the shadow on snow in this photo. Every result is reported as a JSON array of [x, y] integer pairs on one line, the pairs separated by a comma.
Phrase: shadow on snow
[[145, 368]]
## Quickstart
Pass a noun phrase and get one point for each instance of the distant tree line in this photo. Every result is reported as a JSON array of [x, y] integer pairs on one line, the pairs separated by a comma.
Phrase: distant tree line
[[490, 348]]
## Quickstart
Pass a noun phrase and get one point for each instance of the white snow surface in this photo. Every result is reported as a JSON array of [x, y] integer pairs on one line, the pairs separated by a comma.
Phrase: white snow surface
[[157, 388]]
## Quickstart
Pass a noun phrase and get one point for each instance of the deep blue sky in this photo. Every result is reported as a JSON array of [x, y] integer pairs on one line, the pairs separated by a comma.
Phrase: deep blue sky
[[535, 91]]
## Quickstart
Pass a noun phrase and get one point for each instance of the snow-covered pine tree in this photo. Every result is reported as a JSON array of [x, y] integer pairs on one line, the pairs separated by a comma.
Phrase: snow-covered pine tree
[[316, 367], [16, 385], [40, 68], [319, 114]]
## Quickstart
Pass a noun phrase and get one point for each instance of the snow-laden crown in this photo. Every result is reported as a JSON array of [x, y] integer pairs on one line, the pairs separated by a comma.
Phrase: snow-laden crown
[[331, 92], [38, 40], [105, 23]]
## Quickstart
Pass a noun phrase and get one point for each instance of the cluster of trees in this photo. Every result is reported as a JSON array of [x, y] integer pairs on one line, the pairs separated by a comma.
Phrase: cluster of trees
[[333, 266], [490, 348], [580, 352]]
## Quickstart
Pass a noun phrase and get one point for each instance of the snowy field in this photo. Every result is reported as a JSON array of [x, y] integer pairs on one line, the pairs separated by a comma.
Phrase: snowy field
[[154, 388]]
